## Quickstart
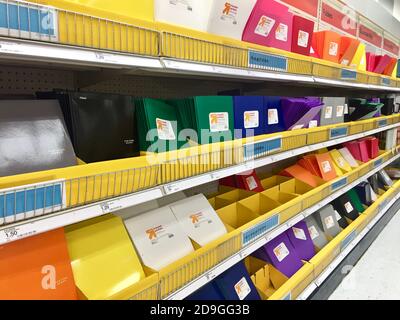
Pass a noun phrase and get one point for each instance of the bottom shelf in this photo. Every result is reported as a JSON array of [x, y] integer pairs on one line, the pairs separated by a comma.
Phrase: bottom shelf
[[326, 283]]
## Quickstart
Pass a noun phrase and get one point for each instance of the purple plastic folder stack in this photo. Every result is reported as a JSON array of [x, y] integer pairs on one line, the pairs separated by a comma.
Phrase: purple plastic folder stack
[[300, 238], [281, 254], [300, 113]]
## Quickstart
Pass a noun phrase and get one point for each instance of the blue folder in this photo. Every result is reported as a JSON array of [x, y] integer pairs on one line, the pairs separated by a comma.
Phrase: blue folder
[[227, 281], [208, 292], [247, 110], [273, 112]]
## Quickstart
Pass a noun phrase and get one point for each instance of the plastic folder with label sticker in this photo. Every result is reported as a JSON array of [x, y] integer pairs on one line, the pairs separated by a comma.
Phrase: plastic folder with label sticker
[[316, 233], [303, 32], [37, 268], [97, 246], [301, 240], [158, 238]]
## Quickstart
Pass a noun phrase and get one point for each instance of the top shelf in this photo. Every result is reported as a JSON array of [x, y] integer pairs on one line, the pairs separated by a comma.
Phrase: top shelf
[[84, 41]]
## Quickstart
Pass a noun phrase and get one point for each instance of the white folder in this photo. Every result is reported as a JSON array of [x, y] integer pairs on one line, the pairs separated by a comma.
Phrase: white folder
[[228, 18], [198, 219], [193, 14], [158, 238], [349, 157]]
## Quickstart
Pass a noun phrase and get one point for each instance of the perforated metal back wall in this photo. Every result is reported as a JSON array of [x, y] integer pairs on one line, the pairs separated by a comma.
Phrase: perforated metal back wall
[[25, 81]]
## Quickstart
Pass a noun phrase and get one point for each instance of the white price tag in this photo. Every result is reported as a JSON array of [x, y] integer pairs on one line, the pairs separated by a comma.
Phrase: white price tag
[[111, 206], [210, 276], [172, 188]]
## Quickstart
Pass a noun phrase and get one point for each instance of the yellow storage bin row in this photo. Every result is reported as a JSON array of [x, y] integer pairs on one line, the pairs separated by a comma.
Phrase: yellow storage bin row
[[326, 69]]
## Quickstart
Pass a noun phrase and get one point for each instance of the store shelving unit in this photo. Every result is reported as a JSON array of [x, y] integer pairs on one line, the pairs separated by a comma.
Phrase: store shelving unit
[[158, 57]]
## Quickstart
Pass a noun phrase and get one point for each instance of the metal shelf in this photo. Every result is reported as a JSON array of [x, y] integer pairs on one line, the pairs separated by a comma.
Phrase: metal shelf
[[27, 51], [49, 222], [248, 250]]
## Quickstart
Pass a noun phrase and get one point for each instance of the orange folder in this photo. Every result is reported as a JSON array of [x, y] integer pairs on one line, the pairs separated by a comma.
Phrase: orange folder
[[310, 164], [301, 174], [348, 49], [327, 45], [390, 68], [37, 268], [326, 166]]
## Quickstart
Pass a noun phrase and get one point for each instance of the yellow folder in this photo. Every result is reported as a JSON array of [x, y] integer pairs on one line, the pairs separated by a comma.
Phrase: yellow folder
[[104, 262], [360, 60], [339, 161]]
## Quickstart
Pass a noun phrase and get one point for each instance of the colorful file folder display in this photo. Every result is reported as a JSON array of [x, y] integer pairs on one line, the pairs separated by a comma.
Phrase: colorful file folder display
[[333, 111], [103, 259], [281, 254], [299, 113], [273, 113], [37, 268], [250, 117], [301, 240], [235, 284], [94, 117], [192, 14], [270, 24], [348, 50], [158, 126], [316, 233], [303, 30], [211, 117], [33, 137], [158, 238], [328, 220], [229, 18], [198, 219], [327, 45]]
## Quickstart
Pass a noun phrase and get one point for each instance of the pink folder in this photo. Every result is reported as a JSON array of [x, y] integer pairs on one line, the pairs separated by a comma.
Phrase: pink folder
[[270, 24], [371, 61]]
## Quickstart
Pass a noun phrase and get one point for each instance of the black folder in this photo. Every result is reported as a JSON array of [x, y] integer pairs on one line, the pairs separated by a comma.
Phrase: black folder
[[344, 206], [102, 126]]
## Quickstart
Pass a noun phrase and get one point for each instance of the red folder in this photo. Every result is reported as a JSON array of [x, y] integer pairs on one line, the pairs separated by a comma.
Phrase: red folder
[[228, 182], [310, 163], [371, 61], [372, 146], [249, 182], [381, 63], [302, 36], [359, 150]]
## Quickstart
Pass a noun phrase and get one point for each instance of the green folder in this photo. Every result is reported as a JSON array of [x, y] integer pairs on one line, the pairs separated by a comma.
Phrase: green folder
[[158, 125], [355, 200], [211, 117]]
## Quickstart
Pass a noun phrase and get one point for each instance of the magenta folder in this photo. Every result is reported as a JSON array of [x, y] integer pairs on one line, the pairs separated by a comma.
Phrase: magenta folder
[[371, 62], [358, 149], [270, 24]]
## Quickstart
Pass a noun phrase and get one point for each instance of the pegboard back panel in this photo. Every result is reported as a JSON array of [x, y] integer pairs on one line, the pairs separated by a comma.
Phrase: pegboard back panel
[[161, 87], [27, 81]]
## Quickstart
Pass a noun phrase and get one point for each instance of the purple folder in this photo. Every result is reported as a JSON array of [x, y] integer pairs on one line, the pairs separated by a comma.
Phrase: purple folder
[[300, 238], [298, 112], [281, 254]]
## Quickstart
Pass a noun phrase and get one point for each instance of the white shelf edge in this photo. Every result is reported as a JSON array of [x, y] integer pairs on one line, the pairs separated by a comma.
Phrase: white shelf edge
[[325, 274], [11, 48], [49, 52], [248, 250]]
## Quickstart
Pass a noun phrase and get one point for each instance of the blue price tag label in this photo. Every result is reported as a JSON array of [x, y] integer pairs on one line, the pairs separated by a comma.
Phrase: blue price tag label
[[260, 229], [377, 163], [348, 74], [382, 123], [260, 60], [262, 148], [338, 132], [385, 81], [339, 184], [348, 240]]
